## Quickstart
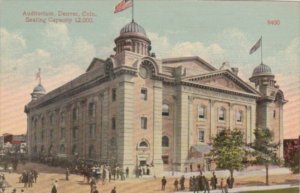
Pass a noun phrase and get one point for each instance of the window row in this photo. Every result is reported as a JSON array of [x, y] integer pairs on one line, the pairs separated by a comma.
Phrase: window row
[[202, 114]]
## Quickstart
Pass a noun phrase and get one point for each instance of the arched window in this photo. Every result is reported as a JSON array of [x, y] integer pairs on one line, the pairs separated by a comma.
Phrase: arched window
[[221, 114], [201, 112], [62, 148], [239, 116], [91, 151], [165, 110], [143, 144], [165, 141]]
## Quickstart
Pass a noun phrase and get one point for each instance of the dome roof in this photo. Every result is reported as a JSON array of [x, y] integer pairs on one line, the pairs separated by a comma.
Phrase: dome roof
[[262, 69], [133, 27], [39, 89]]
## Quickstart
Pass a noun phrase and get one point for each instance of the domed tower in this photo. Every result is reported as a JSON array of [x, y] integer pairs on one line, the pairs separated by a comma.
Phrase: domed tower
[[133, 38], [269, 109], [38, 92]]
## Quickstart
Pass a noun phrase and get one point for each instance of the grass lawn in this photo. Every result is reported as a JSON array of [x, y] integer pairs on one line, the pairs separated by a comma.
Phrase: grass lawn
[[287, 190]]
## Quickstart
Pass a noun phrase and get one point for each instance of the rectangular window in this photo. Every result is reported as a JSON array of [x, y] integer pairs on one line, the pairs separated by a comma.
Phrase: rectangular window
[[62, 118], [92, 131], [201, 112], [165, 110], [62, 133], [113, 94], [113, 123], [92, 110], [221, 114], [75, 114], [42, 135], [201, 136], [144, 94], [165, 159], [51, 134], [75, 133], [239, 116], [144, 122]]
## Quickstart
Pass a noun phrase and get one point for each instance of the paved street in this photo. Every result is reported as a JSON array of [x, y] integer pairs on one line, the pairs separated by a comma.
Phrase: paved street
[[143, 185]]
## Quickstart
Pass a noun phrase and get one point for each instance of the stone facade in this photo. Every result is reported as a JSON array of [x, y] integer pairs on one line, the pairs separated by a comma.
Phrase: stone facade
[[134, 109]]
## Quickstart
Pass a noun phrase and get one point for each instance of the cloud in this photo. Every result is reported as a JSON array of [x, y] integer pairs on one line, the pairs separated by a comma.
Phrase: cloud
[[61, 58], [163, 48], [12, 43]]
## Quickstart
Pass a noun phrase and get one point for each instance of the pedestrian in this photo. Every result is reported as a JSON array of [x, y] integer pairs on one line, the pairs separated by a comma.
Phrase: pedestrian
[[182, 179], [222, 186], [35, 175], [206, 185], [67, 174], [176, 184], [213, 181], [54, 187], [127, 172], [92, 184], [163, 183], [14, 191], [113, 190], [195, 185], [30, 179], [191, 183]]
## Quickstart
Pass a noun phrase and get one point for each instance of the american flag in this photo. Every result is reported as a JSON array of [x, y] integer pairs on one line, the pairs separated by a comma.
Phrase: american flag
[[256, 46], [124, 4]]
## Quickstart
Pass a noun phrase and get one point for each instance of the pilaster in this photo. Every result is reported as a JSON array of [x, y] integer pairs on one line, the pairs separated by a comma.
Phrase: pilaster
[[125, 129], [213, 129], [104, 102], [157, 127], [181, 145]]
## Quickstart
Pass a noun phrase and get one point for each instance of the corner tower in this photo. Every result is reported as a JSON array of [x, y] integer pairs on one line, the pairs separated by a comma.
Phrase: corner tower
[[133, 38], [270, 105]]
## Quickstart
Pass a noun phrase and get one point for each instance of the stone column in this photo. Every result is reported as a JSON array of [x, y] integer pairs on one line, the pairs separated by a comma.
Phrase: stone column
[[281, 131], [104, 102], [125, 96], [157, 127], [248, 122], [253, 125], [230, 118], [181, 130], [213, 130], [29, 135], [191, 116]]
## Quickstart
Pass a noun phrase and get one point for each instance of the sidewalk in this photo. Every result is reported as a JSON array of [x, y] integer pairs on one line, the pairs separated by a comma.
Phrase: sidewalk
[[252, 188], [250, 171]]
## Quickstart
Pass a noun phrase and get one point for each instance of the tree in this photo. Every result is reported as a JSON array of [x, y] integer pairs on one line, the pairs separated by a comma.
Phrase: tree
[[265, 150], [227, 150]]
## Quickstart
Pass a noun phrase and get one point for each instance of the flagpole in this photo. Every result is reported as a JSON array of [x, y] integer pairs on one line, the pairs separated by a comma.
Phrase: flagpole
[[261, 52], [132, 11]]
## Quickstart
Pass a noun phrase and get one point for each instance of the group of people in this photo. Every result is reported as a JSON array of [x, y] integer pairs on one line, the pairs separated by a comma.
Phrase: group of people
[[28, 177], [200, 183], [2, 183]]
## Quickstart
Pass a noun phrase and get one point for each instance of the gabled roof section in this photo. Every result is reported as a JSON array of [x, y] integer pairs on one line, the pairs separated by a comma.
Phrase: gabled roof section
[[239, 84], [96, 62], [187, 59]]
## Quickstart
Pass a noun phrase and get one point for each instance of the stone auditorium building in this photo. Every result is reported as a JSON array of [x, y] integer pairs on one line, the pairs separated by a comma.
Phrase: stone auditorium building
[[134, 109]]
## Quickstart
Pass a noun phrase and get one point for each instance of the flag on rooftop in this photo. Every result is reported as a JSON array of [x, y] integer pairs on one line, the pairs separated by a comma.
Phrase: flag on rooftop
[[256, 46], [124, 4]]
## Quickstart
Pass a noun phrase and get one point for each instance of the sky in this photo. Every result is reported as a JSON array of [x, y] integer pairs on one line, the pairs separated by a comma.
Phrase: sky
[[216, 31]]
